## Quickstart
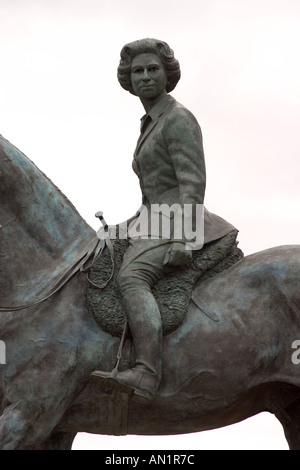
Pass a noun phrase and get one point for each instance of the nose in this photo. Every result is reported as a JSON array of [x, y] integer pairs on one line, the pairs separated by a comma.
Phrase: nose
[[146, 76]]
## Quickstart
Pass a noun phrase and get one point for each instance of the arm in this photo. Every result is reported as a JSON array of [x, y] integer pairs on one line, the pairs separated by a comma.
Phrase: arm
[[183, 139]]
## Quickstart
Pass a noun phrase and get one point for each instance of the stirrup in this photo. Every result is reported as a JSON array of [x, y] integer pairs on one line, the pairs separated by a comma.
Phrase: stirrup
[[113, 373]]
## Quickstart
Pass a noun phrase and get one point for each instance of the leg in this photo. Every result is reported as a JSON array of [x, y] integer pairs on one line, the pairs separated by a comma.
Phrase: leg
[[135, 281], [291, 424], [16, 432], [145, 325], [58, 441]]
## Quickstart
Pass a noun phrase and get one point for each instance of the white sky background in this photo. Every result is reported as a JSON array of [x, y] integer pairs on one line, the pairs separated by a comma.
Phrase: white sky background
[[61, 104]]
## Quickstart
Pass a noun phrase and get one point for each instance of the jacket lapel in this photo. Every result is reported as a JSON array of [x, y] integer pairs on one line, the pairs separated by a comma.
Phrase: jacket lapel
[[145, 134], [156, 116]]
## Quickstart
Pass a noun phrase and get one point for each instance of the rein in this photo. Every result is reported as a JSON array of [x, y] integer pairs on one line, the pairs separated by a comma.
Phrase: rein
[[98, 252], [79, 265]]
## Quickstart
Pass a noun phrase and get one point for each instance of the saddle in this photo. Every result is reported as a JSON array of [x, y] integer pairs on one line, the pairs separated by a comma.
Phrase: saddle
[[173, 293]]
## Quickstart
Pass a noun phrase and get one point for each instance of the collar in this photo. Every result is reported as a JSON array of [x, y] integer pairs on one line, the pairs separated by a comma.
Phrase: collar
[[157, 110]]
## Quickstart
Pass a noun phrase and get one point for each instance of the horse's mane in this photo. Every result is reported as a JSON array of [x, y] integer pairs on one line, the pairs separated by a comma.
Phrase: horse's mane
[[41, 235]]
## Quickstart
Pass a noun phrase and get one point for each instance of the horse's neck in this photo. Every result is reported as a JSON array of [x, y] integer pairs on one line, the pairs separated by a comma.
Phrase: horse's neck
[[41, 232]]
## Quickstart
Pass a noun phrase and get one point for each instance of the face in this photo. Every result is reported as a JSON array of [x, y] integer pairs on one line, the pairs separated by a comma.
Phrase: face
[[148, 76]]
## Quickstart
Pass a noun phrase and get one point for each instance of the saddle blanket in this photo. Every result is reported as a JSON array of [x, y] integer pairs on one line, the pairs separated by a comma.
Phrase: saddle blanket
[[172, 293]]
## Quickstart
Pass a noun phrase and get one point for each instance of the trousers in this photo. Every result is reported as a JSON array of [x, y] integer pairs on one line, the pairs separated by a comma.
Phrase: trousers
[[143, 264]]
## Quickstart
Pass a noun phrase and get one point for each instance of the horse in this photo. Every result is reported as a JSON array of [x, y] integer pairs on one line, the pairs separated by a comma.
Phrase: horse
[[215, 373]]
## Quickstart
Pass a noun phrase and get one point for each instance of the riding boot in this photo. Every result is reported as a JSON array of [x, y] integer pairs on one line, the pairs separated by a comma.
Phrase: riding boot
[[144, 321]]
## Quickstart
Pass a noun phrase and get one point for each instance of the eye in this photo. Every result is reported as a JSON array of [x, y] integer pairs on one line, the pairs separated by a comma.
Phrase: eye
[[138, 70], [153, 68]]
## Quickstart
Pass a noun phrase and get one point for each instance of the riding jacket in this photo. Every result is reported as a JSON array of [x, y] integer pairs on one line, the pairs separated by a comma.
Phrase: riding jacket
[[169, 162]]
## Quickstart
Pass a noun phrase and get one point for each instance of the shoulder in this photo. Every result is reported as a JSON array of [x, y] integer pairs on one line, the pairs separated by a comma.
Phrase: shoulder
[[179, 118]]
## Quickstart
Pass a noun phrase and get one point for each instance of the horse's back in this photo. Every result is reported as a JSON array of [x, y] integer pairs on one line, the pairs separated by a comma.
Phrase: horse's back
[[249, 320], [278, 267]]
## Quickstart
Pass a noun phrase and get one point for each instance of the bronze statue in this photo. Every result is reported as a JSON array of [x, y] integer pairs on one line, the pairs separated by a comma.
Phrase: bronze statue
[[169, 162], [232, 355], [214, 373]]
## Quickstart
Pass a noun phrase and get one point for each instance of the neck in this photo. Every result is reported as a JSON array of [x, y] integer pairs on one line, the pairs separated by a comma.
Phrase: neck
[[149, 103]]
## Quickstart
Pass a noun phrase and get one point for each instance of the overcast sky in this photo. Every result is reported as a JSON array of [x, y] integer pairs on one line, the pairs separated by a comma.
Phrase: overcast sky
[[61, 104]]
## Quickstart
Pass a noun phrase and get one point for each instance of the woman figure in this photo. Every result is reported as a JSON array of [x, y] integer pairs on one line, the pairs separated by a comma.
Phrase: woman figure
[[169, 161]]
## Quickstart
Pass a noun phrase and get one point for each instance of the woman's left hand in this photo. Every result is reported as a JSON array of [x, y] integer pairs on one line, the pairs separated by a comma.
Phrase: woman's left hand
[[177, 255]]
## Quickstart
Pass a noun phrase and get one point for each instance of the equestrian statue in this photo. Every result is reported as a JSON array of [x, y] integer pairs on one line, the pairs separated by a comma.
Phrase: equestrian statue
[[156, 326]]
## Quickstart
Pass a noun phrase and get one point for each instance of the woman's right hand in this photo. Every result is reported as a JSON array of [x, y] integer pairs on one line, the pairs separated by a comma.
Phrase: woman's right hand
[[177, 255]]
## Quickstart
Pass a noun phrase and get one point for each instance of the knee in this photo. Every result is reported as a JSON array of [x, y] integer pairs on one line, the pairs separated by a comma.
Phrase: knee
[[126, 282], [123, 281]]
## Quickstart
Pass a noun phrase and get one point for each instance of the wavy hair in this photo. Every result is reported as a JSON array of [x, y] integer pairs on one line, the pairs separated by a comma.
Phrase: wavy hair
[[154, 46]]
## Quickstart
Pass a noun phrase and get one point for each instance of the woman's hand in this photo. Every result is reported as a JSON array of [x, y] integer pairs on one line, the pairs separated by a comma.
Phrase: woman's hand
[[177, 255]]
